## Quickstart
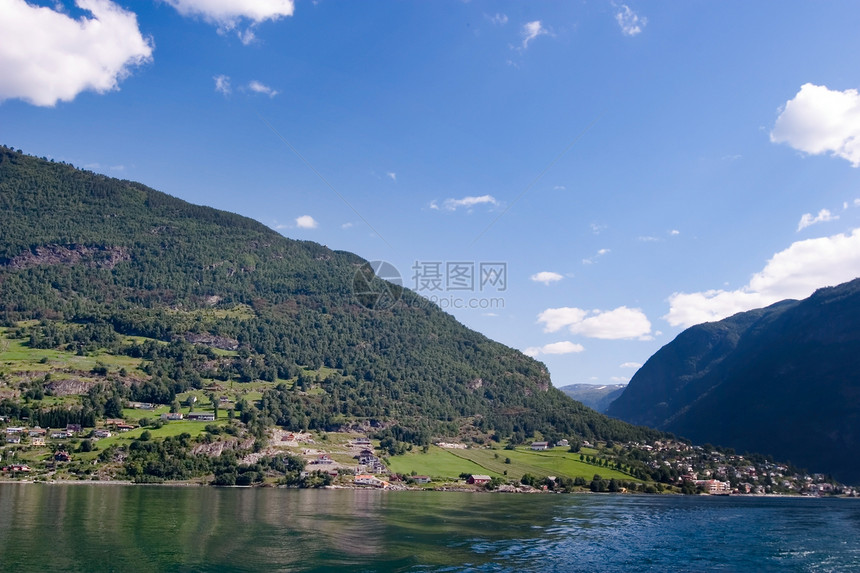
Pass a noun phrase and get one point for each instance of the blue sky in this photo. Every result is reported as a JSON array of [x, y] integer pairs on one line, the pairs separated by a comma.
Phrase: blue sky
[[635, 167]]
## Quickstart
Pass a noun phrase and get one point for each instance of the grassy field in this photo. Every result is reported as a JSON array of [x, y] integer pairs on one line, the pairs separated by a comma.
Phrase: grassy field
[[17, 356], [443, 463], [169, 429], [438, 463]]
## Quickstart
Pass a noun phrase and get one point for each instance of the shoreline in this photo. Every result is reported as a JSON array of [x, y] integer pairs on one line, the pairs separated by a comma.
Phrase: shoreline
[[440, 489]]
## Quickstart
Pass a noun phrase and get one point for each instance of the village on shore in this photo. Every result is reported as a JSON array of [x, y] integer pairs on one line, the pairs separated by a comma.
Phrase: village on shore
[[349, 459]]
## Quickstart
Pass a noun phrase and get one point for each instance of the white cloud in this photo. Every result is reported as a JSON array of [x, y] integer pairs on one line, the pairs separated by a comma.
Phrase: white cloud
[[222, 84], [247, 36], [823, 217], [630, 365], [546, 277], [599, 254], [555, 319], [347, 225], [819, 120], [260, 88], [532, 30], [620, 323], [648, 239], [306, 222], [228, 13], [795, 273], [46, 56], [468, 202], [564, 347], [620, 379], [498, 19], [674, 232], [392, 175], [630, 22]]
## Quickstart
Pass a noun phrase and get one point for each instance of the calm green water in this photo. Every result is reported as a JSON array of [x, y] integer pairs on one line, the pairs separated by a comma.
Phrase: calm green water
[[132, 528]]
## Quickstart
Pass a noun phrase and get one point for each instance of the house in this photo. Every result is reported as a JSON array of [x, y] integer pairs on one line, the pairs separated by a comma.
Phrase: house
[[367, 457], [478, 479], [125, 427], [13, 439], [714, 487], [367, 479], [172, 416], [38, 432], [60, 435], [421, 479], [114, 421], [37, 441], [538, 446], [62, 456], [102, 434], [202, 416], [74, 428], [14, 430], [562, 443], [361, 442], [17, 468]]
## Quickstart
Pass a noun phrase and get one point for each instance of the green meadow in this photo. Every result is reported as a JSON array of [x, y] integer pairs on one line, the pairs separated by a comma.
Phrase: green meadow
[[449, 464]]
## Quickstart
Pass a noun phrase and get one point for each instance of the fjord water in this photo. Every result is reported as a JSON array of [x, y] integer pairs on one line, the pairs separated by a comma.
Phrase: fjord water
[[134, 528]]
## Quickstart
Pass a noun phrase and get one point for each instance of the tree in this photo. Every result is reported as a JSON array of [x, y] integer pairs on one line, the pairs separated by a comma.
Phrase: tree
[[113, 407], [215, 402]]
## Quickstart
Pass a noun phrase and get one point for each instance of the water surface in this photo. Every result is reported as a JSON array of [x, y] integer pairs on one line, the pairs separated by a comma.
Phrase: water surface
[[135, 528]]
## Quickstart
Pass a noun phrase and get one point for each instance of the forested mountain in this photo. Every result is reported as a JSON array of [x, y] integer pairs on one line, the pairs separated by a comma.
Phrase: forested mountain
[[783, 380], [597, 397], [97, 260]]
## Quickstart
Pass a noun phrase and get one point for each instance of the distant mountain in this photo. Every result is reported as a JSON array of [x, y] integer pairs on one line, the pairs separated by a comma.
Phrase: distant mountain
[[594, 396], [782, 380], [94, 260]]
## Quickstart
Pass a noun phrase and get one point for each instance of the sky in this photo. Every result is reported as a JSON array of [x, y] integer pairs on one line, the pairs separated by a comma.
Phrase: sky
[[579, 180]]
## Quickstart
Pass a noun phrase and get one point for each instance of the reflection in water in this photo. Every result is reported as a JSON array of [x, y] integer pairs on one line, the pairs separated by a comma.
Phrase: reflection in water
[[135, 528]]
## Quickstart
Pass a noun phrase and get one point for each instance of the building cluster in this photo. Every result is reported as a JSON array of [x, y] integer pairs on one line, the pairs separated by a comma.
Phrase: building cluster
[[717, 472]]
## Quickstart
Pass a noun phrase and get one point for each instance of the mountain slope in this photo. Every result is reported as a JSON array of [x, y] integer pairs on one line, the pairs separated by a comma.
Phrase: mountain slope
[[782, 380], [94, 257], [594, 396]]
